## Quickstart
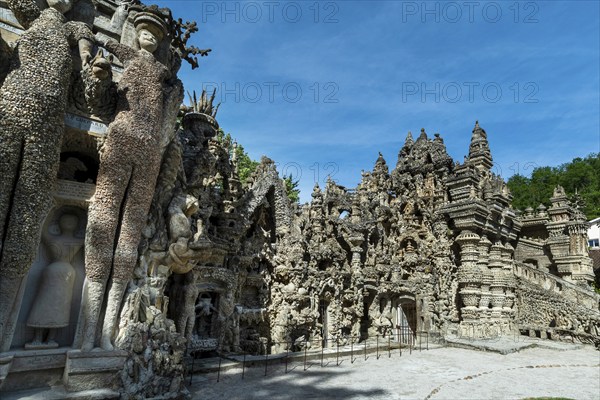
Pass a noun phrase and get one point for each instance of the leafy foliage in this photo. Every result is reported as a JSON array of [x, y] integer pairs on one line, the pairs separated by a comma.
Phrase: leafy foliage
[[246, 165], [291, 188], [582, 176]]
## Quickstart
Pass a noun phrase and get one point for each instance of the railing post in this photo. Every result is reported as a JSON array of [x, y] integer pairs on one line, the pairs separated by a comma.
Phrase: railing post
[[410, 341], [192, 372], [390, 346], [377, 347], [287, 353], [427, 339], [219, 370], [399, 344], [337, 351], [244, 365], [322, 349], [305, 346], [365, 349], [266, 357], [351, 350], [420, 336]]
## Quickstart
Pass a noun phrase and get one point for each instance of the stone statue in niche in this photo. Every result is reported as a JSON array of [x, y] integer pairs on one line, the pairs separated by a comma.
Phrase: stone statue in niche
[[129, 167], [32, 105], [204, 309], [52, 306], [186, 310]]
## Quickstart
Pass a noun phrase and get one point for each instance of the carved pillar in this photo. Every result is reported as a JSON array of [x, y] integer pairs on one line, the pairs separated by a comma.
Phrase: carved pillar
[[498, 281], [509, 285], [470, 280], [487, 277], [357, 280]]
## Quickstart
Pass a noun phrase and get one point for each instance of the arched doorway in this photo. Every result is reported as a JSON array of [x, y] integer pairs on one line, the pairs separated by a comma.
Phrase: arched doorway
[[405, 319]]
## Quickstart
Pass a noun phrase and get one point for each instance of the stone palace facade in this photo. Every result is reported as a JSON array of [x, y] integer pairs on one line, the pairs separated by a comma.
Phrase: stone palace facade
[[128, 241]]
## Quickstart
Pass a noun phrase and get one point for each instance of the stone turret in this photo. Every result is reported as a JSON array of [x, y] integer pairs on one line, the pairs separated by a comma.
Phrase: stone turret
[[479, 149]]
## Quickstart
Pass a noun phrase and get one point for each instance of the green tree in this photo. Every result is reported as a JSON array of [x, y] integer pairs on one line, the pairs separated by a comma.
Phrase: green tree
[[581, 176], [246, 165], [291, 188]]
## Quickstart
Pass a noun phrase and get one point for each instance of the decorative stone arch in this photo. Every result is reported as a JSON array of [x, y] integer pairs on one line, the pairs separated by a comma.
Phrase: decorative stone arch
[[218, 283]]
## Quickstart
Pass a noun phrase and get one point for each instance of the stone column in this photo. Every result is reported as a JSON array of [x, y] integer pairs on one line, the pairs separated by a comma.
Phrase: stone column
[[487, 277], [510, 285], [469, 279], [497, 287], [357, 279]]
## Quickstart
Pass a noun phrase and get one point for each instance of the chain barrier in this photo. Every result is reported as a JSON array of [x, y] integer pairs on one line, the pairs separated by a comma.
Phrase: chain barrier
[[401, 339]]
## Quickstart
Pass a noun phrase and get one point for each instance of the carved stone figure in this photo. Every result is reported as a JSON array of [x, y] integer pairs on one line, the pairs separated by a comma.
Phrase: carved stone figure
[[52, 304], [431, 246], [186, 315], [32, 107], [203, 309], [94, 92], [129, 168]]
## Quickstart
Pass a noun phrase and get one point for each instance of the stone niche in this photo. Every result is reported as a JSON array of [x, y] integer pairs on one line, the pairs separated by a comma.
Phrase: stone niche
[[48, 317], [60, 254], [52, 285]]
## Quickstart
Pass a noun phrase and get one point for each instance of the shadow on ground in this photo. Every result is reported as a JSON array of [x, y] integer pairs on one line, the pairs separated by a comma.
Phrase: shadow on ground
[[314, 383]]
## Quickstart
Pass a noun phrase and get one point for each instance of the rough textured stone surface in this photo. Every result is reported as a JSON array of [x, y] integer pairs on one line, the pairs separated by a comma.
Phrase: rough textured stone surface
[[32, 106], [183, 259]]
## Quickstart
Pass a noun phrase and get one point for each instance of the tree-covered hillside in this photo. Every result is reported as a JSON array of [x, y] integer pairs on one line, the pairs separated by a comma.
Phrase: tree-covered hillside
[[582, 176]]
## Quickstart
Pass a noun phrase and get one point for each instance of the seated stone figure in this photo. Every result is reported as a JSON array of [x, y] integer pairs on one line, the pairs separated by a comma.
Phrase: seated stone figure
[[52, 306], [129, 167], [32, 107]]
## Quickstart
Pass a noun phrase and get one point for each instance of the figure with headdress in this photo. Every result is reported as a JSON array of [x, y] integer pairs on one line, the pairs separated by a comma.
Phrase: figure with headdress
[[129, 167]]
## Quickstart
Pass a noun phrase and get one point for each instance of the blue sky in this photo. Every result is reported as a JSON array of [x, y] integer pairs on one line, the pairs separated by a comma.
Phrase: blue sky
[[322, 87]]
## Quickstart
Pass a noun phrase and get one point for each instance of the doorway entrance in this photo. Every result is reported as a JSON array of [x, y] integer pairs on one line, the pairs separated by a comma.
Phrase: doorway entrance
[[324, 321], [405, 316]]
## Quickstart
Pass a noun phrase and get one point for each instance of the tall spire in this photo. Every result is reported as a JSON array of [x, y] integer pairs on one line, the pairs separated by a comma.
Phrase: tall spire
[[409, 140], [381, 167], [479, 150], [422, 136]]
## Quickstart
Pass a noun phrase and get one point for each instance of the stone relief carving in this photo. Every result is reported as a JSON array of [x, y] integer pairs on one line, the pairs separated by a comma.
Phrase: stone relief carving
[[201, 261]]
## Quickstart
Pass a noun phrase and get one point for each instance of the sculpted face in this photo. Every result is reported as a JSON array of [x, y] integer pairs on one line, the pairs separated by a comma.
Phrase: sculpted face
[[60, 5], [147, 40]]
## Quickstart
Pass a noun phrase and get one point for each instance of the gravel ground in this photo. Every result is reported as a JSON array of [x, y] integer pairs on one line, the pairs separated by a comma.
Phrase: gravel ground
[[439, 373]]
